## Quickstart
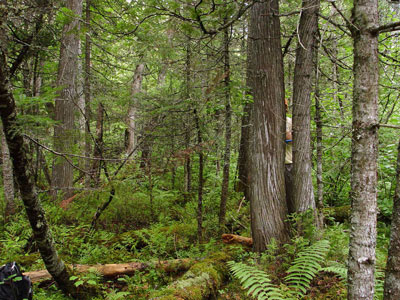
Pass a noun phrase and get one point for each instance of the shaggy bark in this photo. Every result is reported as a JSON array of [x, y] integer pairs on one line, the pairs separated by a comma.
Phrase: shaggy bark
[[303, 193], [67, 79], [266, 170], [392, 278], [364, 152]]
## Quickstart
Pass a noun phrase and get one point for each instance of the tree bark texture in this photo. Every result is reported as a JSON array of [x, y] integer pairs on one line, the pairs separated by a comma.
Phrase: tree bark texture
[[201, 180], [87, 89], [8, 177], [187, 125], [303, 193], [392, 278], [318, 124], [228, 133], [67, 99], [364, 152], [34, 210], [266, 171], [133, 107]]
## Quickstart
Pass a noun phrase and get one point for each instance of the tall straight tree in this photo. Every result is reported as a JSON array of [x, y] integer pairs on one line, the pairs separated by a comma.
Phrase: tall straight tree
[[67, 99], [228, 132], [392, 277], [364, 151], [132, 112], [266, 155], [302, 189]]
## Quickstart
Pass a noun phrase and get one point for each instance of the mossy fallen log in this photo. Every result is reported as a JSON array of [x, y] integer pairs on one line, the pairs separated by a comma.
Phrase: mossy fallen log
[[201, 281], [114, 270]]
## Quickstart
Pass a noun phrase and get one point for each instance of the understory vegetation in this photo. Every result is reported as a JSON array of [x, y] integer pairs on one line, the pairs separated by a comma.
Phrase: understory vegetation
[[126, 232]]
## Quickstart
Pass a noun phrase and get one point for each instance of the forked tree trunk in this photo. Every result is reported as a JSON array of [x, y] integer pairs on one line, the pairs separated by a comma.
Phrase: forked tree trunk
[[267, 187], [361, 265], [392, 278], [64, 132], [303, 193]]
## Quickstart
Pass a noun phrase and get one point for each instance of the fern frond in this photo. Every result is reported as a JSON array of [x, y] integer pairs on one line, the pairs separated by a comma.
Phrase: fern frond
[[305, 267], [341, 271], [337, 269], [256, 281]]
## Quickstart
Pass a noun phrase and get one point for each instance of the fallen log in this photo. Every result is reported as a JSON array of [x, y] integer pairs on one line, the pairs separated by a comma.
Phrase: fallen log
[[201, 281], [114, 270], [237, 239]]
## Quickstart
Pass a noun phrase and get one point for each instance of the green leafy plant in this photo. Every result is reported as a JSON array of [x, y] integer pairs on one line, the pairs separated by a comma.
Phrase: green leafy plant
[[302, 271], [341, 271]]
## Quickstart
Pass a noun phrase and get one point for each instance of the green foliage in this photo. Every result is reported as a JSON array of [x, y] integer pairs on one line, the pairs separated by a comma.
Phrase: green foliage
[[305, 266], [256, 281], [341, 271], [302, 271]]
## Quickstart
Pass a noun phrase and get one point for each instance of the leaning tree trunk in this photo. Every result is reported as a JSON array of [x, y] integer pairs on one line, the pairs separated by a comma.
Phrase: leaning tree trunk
[[66, 100], [8, 178], [303, 193], [34, 210], [267, 187], [364, 152], [392, 278]]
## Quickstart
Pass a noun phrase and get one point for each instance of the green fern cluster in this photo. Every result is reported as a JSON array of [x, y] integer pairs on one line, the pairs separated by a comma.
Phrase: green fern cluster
[[300, 274], [341, 271], [256, 281], [305, 266]]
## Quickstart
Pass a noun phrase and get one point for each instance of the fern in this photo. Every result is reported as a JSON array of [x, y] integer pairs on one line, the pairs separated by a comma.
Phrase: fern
[[256, 281], [341, 271], [300, 274], [305, 267]]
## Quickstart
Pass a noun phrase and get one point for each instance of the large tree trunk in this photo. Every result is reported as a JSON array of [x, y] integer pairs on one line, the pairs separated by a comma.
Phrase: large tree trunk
[[364, 152], [302, 193], [392, 279], [132, 112], [64, 139], [228, 133], [34, 210], [267, 187]]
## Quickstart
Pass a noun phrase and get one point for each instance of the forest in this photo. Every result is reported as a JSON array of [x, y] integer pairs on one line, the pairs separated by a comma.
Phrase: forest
[[201, 149]]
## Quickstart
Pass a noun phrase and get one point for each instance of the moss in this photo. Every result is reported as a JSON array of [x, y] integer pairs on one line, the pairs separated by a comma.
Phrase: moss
[[28, 260]]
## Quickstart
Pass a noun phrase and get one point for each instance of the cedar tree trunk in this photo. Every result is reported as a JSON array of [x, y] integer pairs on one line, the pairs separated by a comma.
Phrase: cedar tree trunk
[[266, 170], [303, 193]]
